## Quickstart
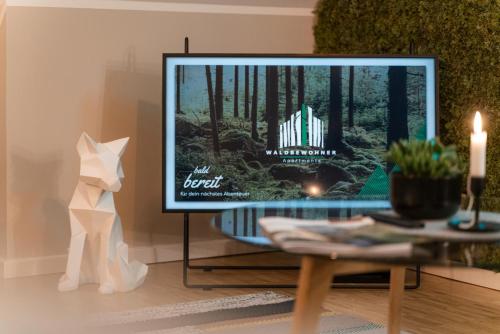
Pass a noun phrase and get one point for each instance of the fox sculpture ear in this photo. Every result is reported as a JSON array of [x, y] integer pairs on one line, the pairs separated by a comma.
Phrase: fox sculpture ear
[[117, 146], [86, 145]]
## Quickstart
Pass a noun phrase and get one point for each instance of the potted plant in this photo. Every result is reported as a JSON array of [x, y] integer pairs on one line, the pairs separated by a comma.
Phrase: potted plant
[[426, 182]]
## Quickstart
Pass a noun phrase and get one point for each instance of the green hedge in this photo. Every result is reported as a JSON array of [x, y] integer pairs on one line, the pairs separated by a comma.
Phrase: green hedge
[[464, 34]]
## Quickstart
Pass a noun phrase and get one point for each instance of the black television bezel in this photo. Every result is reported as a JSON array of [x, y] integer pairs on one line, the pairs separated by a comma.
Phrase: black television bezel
[[269, 55]]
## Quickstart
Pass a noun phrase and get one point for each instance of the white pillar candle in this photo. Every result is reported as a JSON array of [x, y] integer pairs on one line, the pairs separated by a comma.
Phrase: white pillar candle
[[478, 148]]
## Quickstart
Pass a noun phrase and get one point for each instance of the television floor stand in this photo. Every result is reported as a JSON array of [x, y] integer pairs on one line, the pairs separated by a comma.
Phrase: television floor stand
[[187, 267]]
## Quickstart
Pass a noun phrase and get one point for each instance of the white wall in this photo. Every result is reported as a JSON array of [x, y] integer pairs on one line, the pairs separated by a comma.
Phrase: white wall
[[99, 70]]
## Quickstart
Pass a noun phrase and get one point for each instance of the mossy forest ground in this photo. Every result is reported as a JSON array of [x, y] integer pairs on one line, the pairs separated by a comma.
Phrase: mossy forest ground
[[364, 99]]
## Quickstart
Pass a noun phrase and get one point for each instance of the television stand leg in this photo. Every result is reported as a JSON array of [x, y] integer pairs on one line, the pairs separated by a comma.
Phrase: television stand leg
[[185, 252]]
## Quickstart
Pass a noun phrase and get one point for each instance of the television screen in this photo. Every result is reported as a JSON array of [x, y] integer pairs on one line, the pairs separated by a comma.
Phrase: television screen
[[247, 129]]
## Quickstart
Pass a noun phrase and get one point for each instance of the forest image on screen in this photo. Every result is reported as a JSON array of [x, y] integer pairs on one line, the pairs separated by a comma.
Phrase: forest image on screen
[[259, 133]]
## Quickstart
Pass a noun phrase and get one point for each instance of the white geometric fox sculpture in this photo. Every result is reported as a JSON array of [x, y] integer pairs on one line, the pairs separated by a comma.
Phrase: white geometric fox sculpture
[[97, 253]]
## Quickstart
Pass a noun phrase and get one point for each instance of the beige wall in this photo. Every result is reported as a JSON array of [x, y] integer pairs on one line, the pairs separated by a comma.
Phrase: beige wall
[[70, 70], [3, 171]]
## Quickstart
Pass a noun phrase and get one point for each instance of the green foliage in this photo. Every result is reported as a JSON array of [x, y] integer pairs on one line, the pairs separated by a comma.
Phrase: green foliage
[[428, 159], [464, 34], [488, 257]]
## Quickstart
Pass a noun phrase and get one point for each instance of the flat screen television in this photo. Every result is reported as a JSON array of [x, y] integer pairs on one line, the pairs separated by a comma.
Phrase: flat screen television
[[246, 129]]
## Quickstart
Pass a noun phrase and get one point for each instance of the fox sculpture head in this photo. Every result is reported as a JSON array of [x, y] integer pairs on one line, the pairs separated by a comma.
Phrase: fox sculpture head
[[100, 163]]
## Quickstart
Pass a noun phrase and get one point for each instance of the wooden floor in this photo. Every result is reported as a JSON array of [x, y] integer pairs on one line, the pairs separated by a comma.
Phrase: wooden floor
[[439, 306]]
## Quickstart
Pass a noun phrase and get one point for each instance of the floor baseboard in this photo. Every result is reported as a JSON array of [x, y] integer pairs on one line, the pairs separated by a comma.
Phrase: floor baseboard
[[12, 268], [480, 277]]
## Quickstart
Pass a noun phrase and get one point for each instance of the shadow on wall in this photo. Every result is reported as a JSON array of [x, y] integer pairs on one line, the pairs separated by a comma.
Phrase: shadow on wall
[[122, 117], [148, 171], [132, 108], [30, 176]]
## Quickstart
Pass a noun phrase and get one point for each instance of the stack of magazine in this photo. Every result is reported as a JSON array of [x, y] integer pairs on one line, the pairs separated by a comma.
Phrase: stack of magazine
[[356, 238]]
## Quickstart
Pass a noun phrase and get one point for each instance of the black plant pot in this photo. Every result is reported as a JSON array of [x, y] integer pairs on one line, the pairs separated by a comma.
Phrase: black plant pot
[[425, 198]]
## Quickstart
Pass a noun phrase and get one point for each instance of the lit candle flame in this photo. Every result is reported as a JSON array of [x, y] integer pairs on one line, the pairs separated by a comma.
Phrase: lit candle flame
[[478, 124]]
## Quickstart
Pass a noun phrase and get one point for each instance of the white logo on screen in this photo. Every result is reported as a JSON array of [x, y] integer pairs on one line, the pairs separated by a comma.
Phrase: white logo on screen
[[302, 129]]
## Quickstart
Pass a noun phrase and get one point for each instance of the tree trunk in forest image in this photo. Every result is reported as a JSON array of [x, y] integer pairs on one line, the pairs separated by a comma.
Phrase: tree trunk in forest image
[[177, 89], [255, 99], [397, 109], [213, 116], [288, 92], [219, 111], [351, 97], [335, 134], [300, 86], [236, 87], [272, 113], [267, 94], [247, 91]]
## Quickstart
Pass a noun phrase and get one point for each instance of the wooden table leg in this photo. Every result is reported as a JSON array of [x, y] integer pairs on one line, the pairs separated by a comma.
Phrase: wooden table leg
[[395, 299], [316, 274]]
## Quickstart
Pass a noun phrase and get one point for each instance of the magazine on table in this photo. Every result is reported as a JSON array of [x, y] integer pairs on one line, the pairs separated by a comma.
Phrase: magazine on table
[[358, 236]]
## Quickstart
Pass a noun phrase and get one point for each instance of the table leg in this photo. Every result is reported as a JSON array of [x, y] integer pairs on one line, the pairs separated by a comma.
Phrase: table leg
[[316, 274], [395, 299]]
